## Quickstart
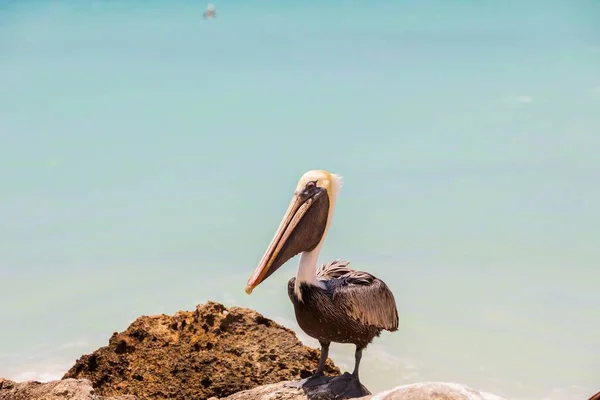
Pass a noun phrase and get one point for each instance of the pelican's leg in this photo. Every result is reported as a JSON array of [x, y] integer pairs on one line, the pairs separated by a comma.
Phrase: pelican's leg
[[348, 386], [357, 357], [319, 377]]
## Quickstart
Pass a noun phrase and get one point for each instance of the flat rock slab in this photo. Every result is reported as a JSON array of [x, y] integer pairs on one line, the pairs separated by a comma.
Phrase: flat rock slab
[[66, 389], [278, 391], [416, 391]]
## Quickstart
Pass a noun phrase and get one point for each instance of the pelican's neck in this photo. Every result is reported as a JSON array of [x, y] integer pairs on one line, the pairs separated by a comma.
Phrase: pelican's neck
[[307, 269]]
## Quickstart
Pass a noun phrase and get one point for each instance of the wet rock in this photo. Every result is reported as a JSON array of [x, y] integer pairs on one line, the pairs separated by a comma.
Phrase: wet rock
[[66, 389], [212, 351]]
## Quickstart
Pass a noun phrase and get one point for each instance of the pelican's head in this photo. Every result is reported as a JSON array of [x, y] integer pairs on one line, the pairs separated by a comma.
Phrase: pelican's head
[[304, 224], [210, 7]]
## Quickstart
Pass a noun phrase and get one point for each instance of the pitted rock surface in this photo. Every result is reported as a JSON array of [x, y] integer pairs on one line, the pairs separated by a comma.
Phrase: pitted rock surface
[[212, 351]]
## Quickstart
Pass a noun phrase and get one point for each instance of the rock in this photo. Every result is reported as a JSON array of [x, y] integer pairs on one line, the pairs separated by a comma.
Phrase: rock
[[212, 351], [595, 397], [433, 391], [416, 391], [278, 391], [274, 391], [333, 390], [66, 389]]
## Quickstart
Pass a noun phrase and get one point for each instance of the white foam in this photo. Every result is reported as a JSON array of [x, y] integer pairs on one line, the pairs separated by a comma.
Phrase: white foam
[[43, 372], [73, 345], [37, 376], [45, 365], [228, 299], [10, 355], [524, 99]]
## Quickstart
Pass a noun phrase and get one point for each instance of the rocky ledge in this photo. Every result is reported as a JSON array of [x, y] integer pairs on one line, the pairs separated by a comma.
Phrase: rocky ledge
[[212, 353]]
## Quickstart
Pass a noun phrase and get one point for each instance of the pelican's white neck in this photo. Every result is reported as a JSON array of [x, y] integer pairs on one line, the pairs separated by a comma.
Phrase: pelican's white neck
[[307, 269]]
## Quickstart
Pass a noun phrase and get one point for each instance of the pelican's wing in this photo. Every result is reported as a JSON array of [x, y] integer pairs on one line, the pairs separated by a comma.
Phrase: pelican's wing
[[361, 295]]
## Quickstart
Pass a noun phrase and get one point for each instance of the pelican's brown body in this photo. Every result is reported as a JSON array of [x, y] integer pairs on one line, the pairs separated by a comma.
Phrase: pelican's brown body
[[318, 317], [330, 315]]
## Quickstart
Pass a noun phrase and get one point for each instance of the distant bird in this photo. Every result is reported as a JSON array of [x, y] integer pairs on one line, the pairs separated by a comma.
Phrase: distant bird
[[333, 303], [210, 12]]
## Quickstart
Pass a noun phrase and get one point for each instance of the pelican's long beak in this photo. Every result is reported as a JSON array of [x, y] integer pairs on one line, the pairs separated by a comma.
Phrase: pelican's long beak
[[300, 230]]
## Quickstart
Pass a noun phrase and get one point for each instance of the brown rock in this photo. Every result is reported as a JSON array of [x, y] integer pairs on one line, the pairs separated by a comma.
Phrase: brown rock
[[66, 389], [595, 397], [212, 351]]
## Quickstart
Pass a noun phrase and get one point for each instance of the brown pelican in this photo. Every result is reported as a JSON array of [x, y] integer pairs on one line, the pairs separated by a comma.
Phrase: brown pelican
[[333, 303], [595, 397]]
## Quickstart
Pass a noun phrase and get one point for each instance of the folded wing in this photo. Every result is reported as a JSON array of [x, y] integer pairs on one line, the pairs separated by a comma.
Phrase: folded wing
[[361, 295]]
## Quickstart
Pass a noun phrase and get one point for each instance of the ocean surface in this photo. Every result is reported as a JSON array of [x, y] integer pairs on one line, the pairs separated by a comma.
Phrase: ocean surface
[[147, 156]]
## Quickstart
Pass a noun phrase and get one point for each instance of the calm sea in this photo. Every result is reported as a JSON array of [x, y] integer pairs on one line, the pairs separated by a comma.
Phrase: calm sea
[[147, 156]]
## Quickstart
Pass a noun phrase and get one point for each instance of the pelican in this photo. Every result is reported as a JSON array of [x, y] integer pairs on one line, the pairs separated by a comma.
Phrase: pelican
[[210, 12], [332, 303]]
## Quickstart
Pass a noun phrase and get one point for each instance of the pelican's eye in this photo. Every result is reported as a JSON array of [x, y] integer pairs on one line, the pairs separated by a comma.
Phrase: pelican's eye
[[310, 189]]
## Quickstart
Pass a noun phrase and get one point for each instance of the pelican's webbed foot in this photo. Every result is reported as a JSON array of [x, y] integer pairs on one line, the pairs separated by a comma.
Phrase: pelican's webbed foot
[[318, 378], [311, 381], [348, 386]]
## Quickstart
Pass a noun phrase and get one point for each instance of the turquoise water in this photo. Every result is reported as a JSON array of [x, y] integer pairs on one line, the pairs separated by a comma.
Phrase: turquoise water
[[147, 156]]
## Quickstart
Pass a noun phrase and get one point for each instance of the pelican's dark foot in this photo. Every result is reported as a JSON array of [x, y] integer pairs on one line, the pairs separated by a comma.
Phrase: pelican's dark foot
[[319, 377], [311, 381], [347, 386]]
